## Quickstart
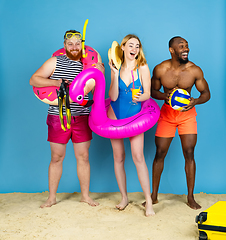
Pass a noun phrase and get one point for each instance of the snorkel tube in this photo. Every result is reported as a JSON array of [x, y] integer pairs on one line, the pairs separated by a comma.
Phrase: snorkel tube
[[84, 54]]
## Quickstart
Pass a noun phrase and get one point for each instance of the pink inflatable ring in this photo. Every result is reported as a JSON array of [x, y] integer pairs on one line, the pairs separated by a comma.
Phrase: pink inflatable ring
[[98, 120], [48, 94]]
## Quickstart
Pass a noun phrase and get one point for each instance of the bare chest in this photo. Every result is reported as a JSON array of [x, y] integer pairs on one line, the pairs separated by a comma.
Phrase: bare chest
[[181, 79]]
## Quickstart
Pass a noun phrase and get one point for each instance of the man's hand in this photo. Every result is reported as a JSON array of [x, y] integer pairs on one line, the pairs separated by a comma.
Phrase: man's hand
[[168, 95], [57, 83], [100, 66], [190, 105]]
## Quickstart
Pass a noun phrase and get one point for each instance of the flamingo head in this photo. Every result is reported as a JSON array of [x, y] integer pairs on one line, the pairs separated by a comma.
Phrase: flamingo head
[[76, 93]]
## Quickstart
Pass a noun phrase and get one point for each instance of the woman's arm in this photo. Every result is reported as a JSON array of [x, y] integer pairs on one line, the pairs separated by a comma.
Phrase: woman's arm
[[146, 83], [113, 91]]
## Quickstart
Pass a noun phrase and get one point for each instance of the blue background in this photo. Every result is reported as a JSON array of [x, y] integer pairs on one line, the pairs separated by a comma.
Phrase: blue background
[[31, 30]]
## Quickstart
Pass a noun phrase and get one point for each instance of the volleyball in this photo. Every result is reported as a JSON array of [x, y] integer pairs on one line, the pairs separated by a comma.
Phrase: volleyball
[[178, 99]]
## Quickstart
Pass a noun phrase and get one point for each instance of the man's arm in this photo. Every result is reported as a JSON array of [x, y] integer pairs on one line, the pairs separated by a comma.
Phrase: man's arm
[[156, 85], [41, 77], [202, 86]]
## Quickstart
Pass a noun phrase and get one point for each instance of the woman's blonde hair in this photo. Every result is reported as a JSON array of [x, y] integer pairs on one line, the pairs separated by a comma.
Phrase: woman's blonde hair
[[141, 60]]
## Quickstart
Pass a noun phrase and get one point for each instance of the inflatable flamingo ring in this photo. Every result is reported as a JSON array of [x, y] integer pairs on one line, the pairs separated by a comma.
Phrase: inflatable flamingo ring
[[98, 120]]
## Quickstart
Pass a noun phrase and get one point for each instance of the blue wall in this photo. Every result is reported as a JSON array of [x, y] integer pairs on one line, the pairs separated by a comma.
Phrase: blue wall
[[32, 30]]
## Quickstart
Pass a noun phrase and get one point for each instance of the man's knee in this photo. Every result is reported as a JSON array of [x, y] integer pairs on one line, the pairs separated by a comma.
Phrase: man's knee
[[189, 154], [58, 152], [56, 158], [160, 154], [82, 157], [81, 151], [162, 146]]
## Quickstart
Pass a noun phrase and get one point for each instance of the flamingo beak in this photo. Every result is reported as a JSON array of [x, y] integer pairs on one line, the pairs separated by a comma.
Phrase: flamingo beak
[[87, 103]]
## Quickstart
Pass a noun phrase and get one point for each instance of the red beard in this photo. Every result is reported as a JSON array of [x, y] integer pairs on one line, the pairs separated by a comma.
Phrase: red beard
[[74, 57]]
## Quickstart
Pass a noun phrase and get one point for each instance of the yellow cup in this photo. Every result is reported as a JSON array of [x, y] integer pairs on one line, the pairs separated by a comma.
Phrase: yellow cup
[[134, 92]]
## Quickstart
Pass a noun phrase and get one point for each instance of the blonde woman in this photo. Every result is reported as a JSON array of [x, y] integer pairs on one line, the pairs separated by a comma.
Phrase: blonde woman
[[134, 72]]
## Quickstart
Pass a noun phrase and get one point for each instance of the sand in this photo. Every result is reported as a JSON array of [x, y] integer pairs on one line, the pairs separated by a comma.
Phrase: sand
[[69, 219]]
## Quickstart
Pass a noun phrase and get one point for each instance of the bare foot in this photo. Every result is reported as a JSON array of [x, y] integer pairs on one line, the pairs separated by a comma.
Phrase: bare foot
[[193, 204], [153, 202], [90, 201], [48, 203], [149, 209], [123, 204]]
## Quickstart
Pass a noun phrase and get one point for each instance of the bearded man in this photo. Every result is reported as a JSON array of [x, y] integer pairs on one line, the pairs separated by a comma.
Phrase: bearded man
[[51, 73]]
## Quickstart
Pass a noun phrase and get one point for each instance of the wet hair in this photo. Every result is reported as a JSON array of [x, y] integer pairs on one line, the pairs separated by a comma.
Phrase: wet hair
[[171, 41], [141, 60]]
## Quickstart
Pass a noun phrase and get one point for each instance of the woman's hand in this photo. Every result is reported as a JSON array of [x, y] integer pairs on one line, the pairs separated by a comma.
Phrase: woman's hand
[[113, 68], [136, 97]]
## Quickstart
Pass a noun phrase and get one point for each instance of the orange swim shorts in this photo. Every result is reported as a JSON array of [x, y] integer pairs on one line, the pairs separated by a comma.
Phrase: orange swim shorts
[[171, 119]]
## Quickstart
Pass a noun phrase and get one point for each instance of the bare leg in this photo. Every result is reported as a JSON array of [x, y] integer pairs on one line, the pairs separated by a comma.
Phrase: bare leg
[[119, 159], [55, 171], [83, 170], [137, 145], [162, 146], [188, 142]]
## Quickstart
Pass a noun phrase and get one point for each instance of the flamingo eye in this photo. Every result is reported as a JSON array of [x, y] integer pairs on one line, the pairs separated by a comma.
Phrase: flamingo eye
[[79, 97]]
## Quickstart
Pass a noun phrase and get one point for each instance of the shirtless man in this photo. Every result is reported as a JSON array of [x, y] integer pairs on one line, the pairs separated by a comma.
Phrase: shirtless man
[[177, 72]]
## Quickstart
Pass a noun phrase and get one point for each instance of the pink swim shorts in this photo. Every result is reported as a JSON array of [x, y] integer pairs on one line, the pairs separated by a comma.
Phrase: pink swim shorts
[[79, 131]]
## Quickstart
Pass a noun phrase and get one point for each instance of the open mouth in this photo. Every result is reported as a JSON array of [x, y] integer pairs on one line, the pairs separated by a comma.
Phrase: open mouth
[[184, 55]]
